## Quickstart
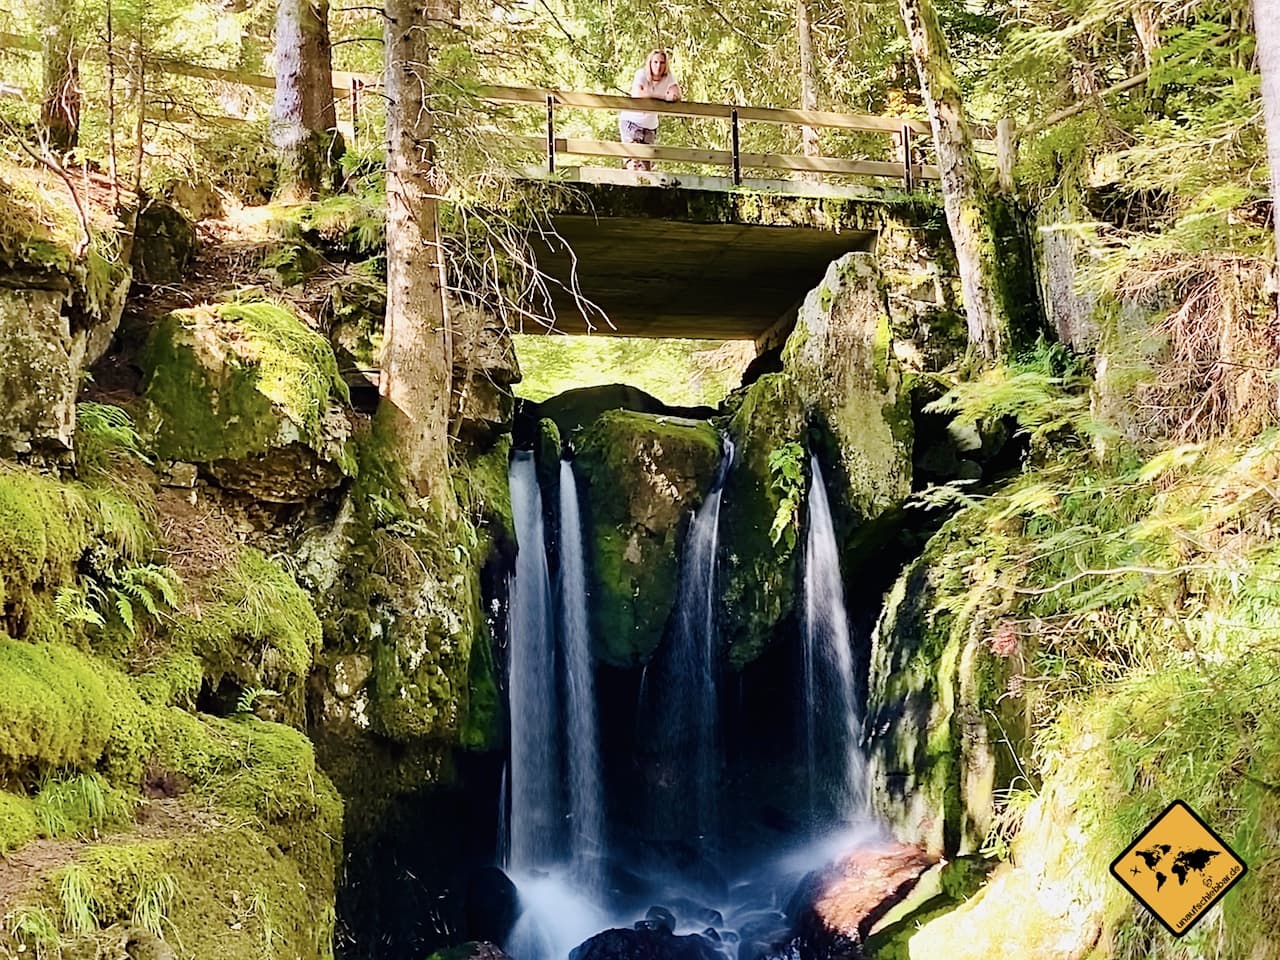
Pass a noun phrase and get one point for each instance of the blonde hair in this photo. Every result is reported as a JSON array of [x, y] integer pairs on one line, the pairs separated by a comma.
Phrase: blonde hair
[[666, 61]]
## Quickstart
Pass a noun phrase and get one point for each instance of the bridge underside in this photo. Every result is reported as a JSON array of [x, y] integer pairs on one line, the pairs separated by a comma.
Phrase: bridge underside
[[653, 261]]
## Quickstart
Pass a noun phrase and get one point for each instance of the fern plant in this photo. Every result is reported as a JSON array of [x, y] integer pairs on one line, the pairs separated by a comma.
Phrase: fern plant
[[786, 472]]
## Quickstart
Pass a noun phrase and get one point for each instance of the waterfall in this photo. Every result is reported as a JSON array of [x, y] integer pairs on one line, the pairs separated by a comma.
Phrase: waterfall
[[835, 765], [586, 813], [537, 814], [686, 698]]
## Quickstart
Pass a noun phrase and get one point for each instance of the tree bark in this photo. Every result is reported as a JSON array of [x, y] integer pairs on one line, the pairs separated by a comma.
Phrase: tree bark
[[416, 353], [1266, 17], [60, 103], [964, 194], [808, 76], [303, 119]]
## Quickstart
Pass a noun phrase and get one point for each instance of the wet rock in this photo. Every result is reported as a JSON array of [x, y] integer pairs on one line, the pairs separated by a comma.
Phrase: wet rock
[[474, 950], [646, 944], [843, 903], [492, 905], [575, 410], [663, 917], [642, 476]]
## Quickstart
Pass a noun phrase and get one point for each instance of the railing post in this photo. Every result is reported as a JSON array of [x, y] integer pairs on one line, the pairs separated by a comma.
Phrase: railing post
[[551, 134], [735, 147], [356, 85], [908, 175]]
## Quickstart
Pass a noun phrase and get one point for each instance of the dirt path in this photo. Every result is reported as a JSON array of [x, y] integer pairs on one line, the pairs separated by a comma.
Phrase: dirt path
[[161, 819]]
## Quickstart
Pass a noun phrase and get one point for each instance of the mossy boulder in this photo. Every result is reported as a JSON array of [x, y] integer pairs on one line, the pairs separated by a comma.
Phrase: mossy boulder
[[642, 477], [759, 577], [165, 244], [942, 729], [39, 371], [840, 360], [253, 395]]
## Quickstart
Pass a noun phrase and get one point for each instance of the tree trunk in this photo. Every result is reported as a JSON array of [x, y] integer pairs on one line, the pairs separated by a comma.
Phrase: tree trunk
[[808, 76], [964, 194], [303, 120], [1266, 16], [60, 103], [416, 353]]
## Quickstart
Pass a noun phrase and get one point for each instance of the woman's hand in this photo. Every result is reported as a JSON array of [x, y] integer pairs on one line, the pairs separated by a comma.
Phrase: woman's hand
[[674, 93]]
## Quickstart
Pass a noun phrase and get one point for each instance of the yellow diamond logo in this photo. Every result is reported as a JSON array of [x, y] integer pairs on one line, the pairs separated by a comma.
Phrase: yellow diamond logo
[[1178, 868]]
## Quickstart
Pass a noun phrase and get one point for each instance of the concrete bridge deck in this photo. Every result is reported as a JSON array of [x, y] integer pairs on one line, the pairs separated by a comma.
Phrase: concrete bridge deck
[[671, 255]]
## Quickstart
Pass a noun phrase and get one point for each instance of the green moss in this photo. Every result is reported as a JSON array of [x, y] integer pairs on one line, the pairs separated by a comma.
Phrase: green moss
[[18, 823], [484, 492], [260, 629], [482, 729], [79, 805], [759, 576], [44, 529], [173, 680], [56, 711], [115, 884], [643, 475], [232, 381]]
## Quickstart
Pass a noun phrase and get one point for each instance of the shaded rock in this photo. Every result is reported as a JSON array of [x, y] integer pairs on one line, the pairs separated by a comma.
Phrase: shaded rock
[[841, 361], [663, 917], [575, 410], [251, 394], [291, 262], [648, 944], [165, 245], [843, 903], [938, 712], [644, 474], [493, 905], [484, 369]]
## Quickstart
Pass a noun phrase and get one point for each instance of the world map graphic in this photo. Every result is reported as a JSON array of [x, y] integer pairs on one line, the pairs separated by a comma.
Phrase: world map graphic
[[1180, 863]]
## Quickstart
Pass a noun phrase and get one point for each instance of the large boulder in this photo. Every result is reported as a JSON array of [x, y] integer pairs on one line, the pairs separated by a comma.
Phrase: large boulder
[[942, 728], [840, 360], [39, 371], [575, 410], [643, 476], [251, 394], [840, 905], [759, 576], [651, 941]]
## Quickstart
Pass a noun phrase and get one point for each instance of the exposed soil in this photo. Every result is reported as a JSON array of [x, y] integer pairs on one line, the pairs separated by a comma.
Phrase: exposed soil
[[159, 819]]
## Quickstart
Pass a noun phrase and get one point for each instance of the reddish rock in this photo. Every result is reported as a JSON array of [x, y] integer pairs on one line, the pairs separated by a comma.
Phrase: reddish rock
[[841, 904]]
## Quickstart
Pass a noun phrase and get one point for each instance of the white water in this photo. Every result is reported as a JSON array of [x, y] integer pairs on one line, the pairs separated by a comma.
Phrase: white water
[[687, 696], [586, 808], [537, 815], [835, 766]]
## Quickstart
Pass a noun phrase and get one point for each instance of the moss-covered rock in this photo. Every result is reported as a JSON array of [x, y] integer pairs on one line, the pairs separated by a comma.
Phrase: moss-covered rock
[[248, 391], [759, 577], [484, 369], [164, 245], [642, 476], [257, 629], [39, 371], [841, 363], [942, 733]]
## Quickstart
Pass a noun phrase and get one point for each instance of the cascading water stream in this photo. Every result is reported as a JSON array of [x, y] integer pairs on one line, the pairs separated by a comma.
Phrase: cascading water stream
[[586, 809], [686, 698], [835, 766], [537, 813]]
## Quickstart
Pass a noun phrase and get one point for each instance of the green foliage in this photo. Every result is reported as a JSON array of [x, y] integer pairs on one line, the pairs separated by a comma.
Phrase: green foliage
[[260, 629], [111, 884], [36, 930], [78, 806], [104, 434], [678, 372], [786, 472]]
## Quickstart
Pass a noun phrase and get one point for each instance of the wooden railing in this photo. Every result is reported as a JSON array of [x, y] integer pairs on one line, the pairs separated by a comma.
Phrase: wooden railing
[[351, 87], [909, 170]]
